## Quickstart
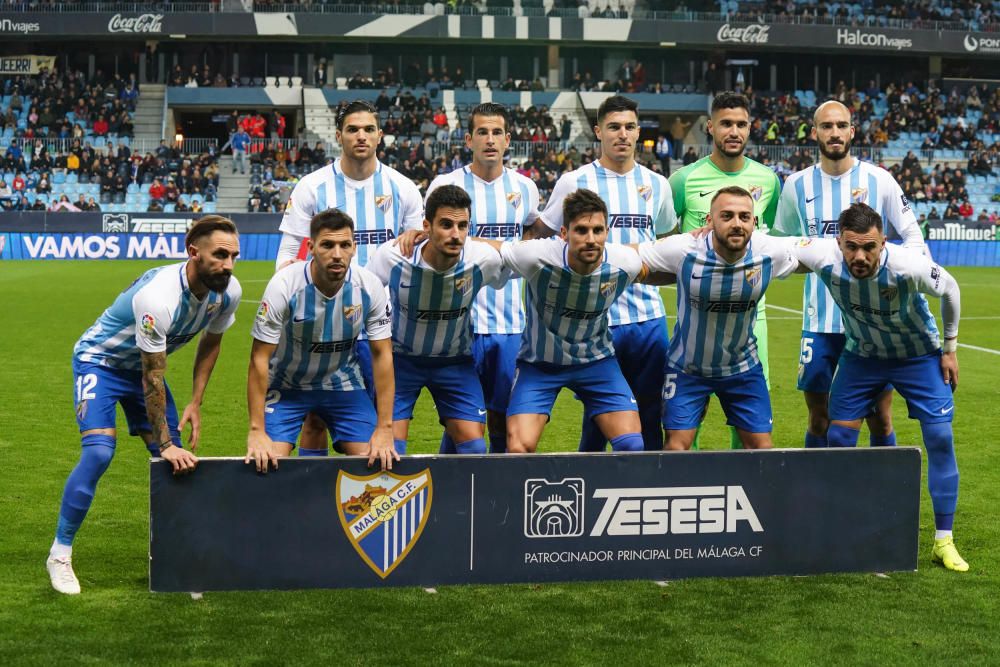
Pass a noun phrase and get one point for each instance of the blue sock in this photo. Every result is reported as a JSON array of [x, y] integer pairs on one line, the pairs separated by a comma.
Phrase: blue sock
[[498, 443], [942, 469], [400, 446], [98, 450], [476, 446], [629, 442], [841, 436], [304, 451], [943, 521], [815, 441], [882, 440], [447, 444]]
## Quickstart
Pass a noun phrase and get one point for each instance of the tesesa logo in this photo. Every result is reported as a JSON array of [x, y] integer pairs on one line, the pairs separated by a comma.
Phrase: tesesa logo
[[553, 509], [556, 509]]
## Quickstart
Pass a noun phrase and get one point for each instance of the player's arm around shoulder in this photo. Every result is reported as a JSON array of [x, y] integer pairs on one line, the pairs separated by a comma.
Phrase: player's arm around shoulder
[[663, 257], [385, 257], [811, 254], [782, 253], [551, 217]]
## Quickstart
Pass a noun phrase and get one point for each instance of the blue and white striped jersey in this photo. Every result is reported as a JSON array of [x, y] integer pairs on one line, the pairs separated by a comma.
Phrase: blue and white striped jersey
[[316, 335], [382, 205], [566, 312], [810, 205], [717, 301], [885, 316], [501, 209], [430, 309], [156, 313], [640, 208]]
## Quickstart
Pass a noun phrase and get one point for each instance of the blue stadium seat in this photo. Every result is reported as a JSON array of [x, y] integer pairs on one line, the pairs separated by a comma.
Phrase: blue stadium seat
[[168, 208], [133, 188], [209, 207]]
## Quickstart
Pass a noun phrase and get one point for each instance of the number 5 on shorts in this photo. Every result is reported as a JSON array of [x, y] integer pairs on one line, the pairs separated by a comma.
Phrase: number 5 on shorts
[[806, 353], [669, 386]]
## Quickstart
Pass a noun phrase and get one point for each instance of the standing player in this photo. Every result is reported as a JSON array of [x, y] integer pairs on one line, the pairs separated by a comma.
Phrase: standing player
[[571, 283], [810, 205], [505, 208], [381, 202], [640, 209], [432, 291], [122, 358], [304, 355], [694, 186], [892, 339], [721, 278]]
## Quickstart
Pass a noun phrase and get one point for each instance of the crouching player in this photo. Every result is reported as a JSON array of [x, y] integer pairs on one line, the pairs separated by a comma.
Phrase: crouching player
[[303, 358], [892, 339], [122, 358], [721, 278], [571, 283], [432, 291]]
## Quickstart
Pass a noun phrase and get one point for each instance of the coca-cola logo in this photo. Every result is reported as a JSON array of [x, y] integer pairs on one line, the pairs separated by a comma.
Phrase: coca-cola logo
[[141, 23], [754, 33]]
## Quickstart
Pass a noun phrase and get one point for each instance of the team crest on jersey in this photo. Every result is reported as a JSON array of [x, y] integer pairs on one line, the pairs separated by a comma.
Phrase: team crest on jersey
[[859, 195], [463, 285], [753, 277], [383, 202], [147, 323], [756, 192], [514, 199], [212, 307], [383, 515], [262, 312], [645, 192], [607, 287], [352, 313], [888, 293]]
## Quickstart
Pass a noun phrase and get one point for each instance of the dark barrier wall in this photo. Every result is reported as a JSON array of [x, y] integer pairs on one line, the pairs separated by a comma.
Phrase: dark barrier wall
[[334, 523], [30, 235], [714, 34]]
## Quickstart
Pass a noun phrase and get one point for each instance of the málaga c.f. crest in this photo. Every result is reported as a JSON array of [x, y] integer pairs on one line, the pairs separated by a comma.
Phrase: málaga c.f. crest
[[383, 515]]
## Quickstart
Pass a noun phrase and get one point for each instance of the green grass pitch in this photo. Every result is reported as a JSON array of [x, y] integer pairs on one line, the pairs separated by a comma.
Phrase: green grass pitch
[[930, 616]]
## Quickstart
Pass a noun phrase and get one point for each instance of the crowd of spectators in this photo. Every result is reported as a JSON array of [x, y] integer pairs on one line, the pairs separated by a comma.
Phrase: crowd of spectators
[[84, 178], [68, 105]]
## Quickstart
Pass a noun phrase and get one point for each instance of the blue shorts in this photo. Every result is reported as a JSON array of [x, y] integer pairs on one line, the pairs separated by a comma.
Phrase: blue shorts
[[97, 389], [641, 351], [818, 355], [599, 384], [859, 381], [349, 415], [495, 356], [452, 382], [744, 399]]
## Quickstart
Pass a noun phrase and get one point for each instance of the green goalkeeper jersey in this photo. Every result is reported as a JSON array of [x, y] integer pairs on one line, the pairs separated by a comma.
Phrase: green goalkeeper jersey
[[694, 185]]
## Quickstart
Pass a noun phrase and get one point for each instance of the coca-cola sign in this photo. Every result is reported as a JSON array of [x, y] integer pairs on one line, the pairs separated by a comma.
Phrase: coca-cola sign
[[141, 23], [754, 33]]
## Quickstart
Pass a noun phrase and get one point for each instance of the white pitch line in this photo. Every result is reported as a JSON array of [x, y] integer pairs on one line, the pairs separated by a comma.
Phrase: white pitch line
[[979, 349]]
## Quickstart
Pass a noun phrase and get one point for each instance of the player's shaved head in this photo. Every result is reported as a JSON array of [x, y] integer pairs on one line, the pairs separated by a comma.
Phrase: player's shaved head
[[731, 190], [830, 105]]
